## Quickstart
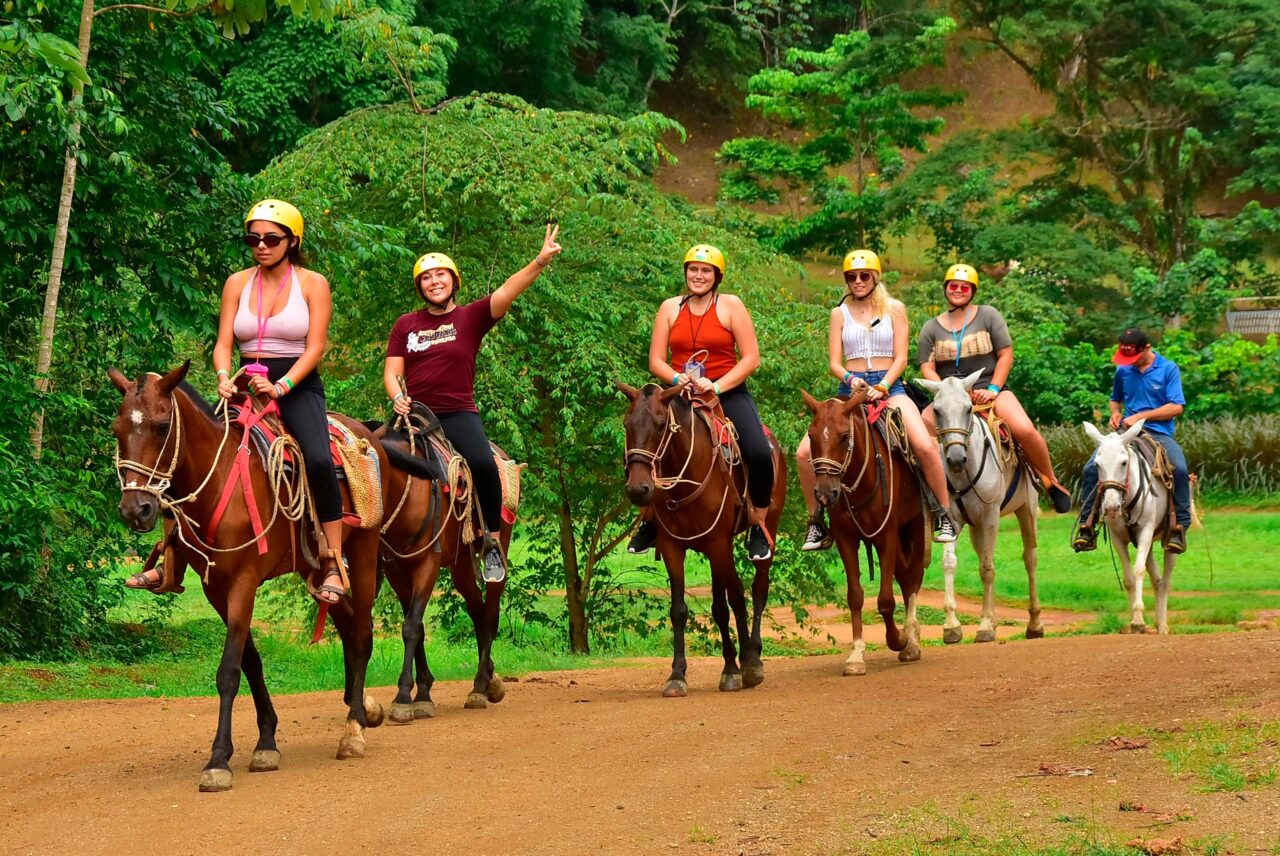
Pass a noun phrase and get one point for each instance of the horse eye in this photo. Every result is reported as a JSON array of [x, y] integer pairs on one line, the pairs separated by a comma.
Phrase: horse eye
[[162, 427]]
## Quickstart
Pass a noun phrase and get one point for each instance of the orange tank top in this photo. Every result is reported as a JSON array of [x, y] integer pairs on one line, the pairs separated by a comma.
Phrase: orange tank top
[[693, 333]]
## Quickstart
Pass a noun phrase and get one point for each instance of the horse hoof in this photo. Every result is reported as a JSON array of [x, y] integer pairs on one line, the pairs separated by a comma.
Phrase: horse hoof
[[374, 714], [350, 747], [753, 675], [1137, 629], [909, 654], [852, 670], [952, 635], [402, 714], [1035, 632], [730, 683], [985, 636], [476, 701], [264, 761], [215, 780], [675, 688], [496, 692], [424, 709]]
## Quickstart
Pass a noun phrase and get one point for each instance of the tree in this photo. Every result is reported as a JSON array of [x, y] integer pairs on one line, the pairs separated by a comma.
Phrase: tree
[[497, 169], [853, 112], [1153, 100]]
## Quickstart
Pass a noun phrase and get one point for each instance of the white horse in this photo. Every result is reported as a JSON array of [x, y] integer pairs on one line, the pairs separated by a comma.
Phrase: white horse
[[1135, 507], [985, 485]]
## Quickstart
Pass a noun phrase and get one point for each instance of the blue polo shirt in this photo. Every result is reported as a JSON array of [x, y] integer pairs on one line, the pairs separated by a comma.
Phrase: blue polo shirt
[[1159, 385]]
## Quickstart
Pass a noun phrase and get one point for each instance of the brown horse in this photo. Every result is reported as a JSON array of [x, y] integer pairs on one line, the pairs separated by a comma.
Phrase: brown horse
[[873, 497], [699, 503], [173, 451], [421, 534]]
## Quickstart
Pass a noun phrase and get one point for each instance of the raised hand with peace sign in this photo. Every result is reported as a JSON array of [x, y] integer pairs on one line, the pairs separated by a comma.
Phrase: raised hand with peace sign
[[523, 278]]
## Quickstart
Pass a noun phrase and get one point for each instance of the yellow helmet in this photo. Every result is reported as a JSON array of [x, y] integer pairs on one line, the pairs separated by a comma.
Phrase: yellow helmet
[[431, 261], [963, 273], [862, 260], [706, 254], [276, 211]]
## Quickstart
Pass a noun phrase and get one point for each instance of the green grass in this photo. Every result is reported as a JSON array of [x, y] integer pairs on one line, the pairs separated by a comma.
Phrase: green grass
[[932, 833], [1223, 756]]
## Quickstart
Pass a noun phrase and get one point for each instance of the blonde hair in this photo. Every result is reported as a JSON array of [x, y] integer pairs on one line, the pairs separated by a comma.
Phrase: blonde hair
[[879, 296]]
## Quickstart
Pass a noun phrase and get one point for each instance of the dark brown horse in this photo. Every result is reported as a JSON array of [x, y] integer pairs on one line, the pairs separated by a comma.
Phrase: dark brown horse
[[421, 534], [872, 495], [699, 503], [175, 452]]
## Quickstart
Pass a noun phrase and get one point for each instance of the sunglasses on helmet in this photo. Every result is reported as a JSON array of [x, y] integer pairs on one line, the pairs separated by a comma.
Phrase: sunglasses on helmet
[[271, 240]]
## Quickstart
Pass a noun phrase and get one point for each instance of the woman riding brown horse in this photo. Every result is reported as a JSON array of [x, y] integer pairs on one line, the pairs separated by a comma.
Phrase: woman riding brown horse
[[175, 452], [422, 533], [677, 467], [873, 497]]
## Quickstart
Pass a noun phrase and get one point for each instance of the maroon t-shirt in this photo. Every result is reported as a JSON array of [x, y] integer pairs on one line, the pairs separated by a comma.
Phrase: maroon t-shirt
[[439, 354]]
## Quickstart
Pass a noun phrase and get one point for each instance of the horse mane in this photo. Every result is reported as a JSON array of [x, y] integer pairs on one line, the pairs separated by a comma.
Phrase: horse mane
[[198, 400]]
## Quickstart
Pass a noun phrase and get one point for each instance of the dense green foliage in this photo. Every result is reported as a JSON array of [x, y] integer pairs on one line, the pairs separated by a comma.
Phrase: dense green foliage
[[1146, 197]]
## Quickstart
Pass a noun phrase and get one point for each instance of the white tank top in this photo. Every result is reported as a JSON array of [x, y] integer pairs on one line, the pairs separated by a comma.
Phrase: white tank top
[[285, 334], [866, 342]]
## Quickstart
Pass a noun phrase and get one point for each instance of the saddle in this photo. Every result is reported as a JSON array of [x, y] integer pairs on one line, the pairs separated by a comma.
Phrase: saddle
[[724, 439], [1162, 468], [448, 468], [1006, 446], [354, 459]]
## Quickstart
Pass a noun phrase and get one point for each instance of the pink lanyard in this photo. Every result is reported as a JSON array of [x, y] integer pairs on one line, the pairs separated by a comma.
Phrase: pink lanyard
[[261, 319]]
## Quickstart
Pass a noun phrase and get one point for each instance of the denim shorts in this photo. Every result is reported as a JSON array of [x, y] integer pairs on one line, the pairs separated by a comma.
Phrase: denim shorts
[[873, 378]]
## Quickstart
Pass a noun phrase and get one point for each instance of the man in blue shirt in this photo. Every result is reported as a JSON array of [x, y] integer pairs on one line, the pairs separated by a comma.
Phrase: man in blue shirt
[[1147, 386]]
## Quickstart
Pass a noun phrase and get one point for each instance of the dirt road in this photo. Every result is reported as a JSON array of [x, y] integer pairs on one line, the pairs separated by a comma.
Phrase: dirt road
[[596, 761]]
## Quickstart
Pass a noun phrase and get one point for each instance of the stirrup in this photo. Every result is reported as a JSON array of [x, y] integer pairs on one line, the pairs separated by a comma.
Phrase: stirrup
[[340, 565]]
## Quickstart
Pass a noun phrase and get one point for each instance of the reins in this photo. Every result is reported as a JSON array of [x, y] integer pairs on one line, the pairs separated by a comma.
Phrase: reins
[[636, 455], [832, 467]]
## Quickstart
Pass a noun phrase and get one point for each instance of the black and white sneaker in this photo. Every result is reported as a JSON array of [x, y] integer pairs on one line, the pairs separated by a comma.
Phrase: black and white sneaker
[[817, 537], [757, 545], [643, 540], [944, 530], [495, 567]]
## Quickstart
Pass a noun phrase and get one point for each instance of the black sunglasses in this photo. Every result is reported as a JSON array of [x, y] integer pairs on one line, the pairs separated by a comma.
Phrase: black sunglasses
[[271, 240]]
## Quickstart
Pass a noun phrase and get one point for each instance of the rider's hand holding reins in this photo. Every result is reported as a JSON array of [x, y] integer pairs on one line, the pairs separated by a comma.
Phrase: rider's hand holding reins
[[259, 385], [226, 387], [401, 404], [982, 396]]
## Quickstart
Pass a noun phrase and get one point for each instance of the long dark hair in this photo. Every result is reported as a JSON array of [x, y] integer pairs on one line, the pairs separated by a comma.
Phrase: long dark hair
[[295, 256]]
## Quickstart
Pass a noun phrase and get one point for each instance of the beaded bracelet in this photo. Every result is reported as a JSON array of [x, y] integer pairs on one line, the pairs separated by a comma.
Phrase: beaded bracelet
[[280, 389]]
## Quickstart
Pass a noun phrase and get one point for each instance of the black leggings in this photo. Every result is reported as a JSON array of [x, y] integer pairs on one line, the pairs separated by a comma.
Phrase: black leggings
[[466, 432], [303, 411], [740, 407]]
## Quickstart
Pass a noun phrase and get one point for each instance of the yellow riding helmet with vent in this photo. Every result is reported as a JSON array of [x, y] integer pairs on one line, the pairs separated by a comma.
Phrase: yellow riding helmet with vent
[[862, 260], [963, 273], [706, 254], [431, 261], [279, 212]]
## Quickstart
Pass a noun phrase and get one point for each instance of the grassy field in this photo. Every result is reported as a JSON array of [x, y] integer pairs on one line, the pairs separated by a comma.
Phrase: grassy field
[[1230, 573]]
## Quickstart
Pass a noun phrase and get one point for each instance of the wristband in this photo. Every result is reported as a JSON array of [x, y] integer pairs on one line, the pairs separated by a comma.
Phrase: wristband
[[716, 387], [280, 389], [223, 373], [993, 389], [287, 382], [675, 379], [847, 377], [397, 397], [539, 262]]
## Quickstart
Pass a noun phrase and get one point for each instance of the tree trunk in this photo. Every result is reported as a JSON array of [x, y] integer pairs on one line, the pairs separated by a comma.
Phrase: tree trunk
[[574, 596], [44, 357]]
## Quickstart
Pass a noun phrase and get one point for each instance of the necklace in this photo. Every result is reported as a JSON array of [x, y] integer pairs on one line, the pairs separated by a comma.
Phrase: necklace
[[958, 337]]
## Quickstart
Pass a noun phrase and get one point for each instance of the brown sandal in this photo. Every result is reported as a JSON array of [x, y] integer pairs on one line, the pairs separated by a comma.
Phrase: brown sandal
[[338, 568]]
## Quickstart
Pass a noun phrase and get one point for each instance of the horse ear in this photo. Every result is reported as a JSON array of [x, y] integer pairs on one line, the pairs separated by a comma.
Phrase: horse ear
[[1127, 436], [119, 381], [809, 401], [931, 385], [669, 393], [1094, 433], [629, 391], [856, 398], [972, 379], [170, 382]]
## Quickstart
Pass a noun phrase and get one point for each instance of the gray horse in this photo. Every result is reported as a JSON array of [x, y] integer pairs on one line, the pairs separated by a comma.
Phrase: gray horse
[[985, 485], [1134, 506]]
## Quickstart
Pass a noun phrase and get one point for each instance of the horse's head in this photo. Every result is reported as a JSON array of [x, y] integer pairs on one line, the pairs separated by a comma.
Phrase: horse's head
[[146, 442], [953, 414], [831, 439], [1112, 460], [646, 425]]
